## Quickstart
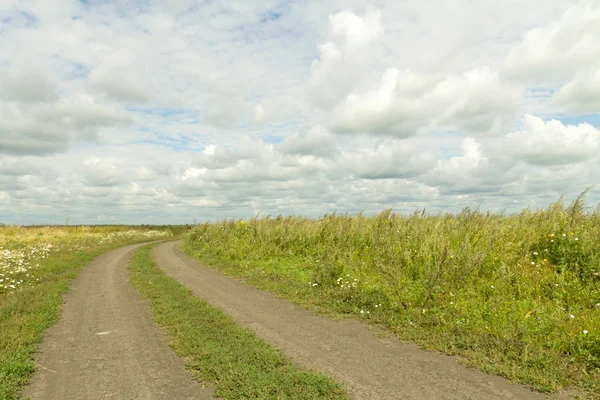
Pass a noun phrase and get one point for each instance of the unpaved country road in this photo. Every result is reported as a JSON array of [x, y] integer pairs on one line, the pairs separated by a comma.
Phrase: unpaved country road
[[106, 345], [370, 367]]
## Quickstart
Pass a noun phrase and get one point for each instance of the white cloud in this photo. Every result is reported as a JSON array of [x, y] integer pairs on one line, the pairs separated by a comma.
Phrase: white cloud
[[560, 49], [98, 172], [47, 128], [388, 160], [405, 102], [259, 114], [402, 102], [564, 54], [581, 94], [344, 58], [27, 81], [552, 143], [121, 78], [315, 141], [142, 112], [353, 31]]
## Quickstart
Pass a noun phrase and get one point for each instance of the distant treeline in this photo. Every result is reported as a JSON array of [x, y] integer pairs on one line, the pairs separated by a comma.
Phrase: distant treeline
[[175, 229]]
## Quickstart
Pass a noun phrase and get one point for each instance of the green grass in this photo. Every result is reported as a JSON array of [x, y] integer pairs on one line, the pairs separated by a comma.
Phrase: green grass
[[514, 295], [219, 351]]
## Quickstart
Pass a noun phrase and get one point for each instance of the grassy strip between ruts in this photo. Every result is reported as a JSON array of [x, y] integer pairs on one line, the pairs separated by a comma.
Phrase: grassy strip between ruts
[[25, 315], [218, 350]]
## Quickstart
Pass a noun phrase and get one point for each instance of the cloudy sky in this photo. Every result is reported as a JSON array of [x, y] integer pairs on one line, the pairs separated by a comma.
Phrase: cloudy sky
[[136, 111]]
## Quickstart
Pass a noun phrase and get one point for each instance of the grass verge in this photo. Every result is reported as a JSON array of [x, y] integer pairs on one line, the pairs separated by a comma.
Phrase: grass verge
[[25, 314], [516, 295], [218, 350]]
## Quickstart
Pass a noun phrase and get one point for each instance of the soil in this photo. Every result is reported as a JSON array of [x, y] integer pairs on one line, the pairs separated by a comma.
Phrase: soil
[[106, 344], [369, 365]]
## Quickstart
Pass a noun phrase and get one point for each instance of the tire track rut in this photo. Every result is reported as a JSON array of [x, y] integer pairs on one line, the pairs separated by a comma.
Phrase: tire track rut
[[106, 344]]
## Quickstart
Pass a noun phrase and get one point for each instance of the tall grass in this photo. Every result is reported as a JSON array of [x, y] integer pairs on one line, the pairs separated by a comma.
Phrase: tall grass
[[517, 295]]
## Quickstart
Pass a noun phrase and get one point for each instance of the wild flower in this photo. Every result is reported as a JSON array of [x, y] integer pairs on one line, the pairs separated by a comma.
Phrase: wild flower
[[22, 252]]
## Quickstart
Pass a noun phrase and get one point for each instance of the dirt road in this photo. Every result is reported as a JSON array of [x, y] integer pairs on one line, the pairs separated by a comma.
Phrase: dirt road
[[370, 367], [106, 345]]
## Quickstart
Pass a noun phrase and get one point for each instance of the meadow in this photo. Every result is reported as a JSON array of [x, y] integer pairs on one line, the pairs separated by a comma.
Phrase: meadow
[[23, 248], [36, 266], [516, 295]]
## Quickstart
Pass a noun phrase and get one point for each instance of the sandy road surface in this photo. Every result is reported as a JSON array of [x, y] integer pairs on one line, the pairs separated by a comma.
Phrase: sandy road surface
[[370, 367], [106, 345]]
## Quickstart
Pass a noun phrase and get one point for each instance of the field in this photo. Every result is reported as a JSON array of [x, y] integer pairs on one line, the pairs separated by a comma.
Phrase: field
[[515, 295], [22, 249], [36, 266]]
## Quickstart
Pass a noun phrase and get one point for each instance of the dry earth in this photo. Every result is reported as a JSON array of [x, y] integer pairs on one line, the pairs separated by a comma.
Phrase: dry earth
[[371, 367]]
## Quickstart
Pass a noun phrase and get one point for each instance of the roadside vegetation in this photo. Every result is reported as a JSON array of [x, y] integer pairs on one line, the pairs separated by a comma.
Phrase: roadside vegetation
[[514, 295], [36, 266], [218, 351]]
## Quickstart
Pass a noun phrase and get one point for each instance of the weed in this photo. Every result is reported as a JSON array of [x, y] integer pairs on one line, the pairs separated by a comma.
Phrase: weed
[[515, 295]]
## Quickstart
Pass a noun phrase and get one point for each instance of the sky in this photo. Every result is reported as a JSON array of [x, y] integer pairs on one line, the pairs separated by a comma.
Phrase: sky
[[157, 112]]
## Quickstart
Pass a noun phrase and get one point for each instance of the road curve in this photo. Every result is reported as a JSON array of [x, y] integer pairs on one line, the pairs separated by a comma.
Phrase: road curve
[[106, 344], [370, 366]]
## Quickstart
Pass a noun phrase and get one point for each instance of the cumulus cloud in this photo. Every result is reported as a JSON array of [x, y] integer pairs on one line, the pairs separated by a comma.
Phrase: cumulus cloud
[[121, 78], [259, 114], [551, 143], [405, 102], [342, 60], [149, 116], [581, 94], [25, 80], [542, 154], [471, 172], [566, 50], [14, 167], [316, 141], [387, 160], [560, 49], [47, 128], [353, 31], [98, 172]]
